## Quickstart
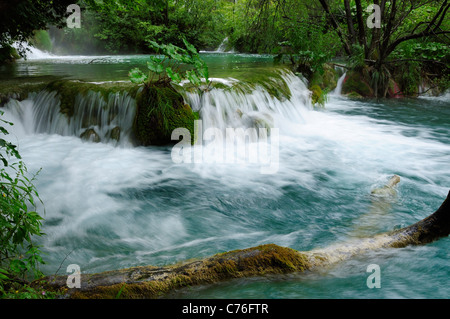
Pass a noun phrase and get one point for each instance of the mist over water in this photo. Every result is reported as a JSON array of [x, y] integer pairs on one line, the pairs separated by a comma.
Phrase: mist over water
[[110, 206]]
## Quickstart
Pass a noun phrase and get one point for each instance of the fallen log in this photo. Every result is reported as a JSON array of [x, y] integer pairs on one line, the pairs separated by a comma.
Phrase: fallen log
[[153, 282]]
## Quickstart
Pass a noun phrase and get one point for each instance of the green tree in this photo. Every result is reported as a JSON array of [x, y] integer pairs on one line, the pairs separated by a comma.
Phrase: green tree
[[401, 22], [19, 19], [130, 25]]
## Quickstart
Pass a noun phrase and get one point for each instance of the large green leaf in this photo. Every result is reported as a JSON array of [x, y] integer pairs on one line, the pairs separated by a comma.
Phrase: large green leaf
[[155, 67], [137, 76], [175, 77], [154, 45], [193, 78], [190, 47]]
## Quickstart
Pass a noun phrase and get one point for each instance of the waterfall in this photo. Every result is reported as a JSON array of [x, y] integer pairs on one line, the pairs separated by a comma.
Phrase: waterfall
[[275, 103], [223, 47], [243, 105], [107, 120], [337, 91], [33, 53]]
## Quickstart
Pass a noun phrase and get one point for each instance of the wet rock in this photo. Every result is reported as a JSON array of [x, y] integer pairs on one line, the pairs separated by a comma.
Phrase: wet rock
[[90, 135], [115, 133]]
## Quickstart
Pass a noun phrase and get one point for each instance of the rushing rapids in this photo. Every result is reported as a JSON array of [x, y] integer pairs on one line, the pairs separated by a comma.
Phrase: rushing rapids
[[110, 207], [238, 105]]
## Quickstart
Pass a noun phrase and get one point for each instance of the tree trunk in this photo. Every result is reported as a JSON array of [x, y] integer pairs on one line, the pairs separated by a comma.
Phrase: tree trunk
[[351, 28], [334, 22]]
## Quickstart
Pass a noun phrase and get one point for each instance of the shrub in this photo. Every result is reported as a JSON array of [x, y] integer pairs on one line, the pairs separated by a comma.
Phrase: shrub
[[19, 221]]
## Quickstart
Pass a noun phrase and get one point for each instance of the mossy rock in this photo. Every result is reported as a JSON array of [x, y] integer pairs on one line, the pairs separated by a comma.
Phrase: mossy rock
[[357, 82], [160, 110], [327, 79], [19, 88], [354, 95], [90, 135], [317, 96]]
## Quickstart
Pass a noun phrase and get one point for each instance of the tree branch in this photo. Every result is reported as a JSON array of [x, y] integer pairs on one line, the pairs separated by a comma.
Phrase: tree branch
[[335, 24], [392, 47]]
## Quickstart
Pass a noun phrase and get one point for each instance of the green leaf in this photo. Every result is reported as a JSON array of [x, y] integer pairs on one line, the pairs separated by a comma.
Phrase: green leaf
[[17, 266], [137, 76], [175, 77], [154, 45], [190, 47], [193, 78]]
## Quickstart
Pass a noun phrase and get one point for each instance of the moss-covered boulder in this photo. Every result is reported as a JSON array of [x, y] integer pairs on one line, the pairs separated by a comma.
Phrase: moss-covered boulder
[[326, 79], [318, 97], [357, 82], [160, 110]]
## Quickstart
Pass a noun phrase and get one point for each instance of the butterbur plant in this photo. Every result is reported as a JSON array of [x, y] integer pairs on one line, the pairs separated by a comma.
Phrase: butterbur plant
[[19, 221], [175, 65]]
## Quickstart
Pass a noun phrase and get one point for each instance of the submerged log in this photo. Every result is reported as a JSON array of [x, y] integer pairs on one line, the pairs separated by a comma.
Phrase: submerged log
[[153, 282]]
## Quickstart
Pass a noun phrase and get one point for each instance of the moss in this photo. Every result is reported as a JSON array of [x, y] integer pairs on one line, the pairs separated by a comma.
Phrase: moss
[[267, 258], [354, 95], [357, 82], [317, 96], [115, 133], [326, 80], [160, 111], [42, 41], [270, 79], [152, 282], [20, 87]]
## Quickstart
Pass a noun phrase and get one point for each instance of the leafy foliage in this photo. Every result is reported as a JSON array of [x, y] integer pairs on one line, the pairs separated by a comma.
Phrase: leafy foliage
[[19, 221], [171, 67], [126, 26], [19, 19]]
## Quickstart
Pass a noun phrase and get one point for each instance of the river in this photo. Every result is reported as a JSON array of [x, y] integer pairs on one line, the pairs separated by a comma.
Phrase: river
[[111, 206]]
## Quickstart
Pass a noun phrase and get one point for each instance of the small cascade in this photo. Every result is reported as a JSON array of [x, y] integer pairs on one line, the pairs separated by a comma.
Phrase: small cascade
[[243, 105], [223, 47], [338, 90], [94, 117], [279, 102], [33, 53]]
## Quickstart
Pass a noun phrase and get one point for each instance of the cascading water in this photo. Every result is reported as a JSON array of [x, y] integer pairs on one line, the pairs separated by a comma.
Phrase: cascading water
[[245, 105], [33, 53], [338, 90], [111, 120], [113, 207], [223, 47]]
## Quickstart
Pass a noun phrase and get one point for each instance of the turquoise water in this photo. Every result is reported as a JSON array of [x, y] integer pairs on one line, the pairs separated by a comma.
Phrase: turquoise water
[[116, 68], [109, 207]]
